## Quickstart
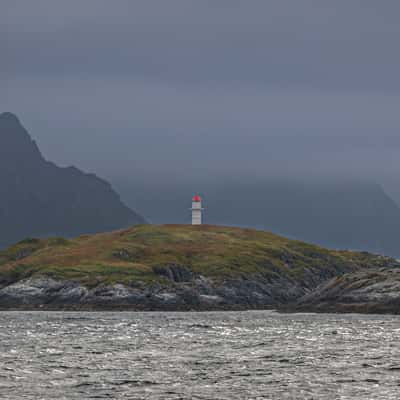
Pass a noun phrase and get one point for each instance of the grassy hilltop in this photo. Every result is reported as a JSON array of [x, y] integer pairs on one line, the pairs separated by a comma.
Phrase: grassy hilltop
[[136, 256]]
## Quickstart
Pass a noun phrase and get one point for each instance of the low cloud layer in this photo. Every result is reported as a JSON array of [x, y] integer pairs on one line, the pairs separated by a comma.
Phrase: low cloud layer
[[205, 88]]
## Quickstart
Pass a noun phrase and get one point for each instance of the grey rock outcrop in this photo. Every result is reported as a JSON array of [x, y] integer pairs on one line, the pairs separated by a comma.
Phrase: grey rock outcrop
[[178, 293], [367, 291], [370, 291]]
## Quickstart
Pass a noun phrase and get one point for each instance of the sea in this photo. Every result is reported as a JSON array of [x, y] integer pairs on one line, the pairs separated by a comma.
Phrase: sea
[[193, 355]]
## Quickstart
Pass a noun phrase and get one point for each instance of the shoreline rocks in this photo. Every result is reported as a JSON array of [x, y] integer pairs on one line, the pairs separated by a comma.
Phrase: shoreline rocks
[[367, 291], [199, 294]]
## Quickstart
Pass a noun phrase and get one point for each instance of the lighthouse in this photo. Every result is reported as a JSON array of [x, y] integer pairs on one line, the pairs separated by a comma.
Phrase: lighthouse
[[196, 210]]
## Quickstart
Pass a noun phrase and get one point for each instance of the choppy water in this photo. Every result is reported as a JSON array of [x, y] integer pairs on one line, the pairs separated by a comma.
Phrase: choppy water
[[235, 355]]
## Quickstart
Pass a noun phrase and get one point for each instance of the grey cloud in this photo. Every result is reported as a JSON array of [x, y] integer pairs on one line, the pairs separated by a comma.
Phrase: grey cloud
[[122, 126], [342, 45], [261, 87]]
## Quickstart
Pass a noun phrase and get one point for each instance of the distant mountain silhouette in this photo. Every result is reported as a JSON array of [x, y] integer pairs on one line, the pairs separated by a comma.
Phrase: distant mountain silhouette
[[351, 215], [38, 198]]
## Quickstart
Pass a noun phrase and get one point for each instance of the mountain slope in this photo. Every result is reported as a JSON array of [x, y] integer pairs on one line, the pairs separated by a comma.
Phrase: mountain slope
[[37, 198], [170, 267]]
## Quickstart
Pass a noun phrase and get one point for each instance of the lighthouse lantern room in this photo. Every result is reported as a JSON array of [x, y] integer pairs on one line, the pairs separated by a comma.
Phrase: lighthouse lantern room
[[196, 210]]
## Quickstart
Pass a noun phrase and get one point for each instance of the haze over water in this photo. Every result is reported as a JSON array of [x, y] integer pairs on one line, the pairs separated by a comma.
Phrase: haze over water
[[213, 355]]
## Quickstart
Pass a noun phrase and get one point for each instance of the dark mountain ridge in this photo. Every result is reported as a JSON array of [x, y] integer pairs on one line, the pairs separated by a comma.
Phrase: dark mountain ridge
[[38, 198]]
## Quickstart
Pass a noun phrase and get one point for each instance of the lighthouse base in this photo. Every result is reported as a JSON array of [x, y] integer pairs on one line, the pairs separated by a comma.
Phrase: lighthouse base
[[196, 217]]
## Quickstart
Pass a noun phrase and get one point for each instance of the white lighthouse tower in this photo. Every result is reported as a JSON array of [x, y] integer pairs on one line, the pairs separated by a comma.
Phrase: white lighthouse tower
[[196, 210]]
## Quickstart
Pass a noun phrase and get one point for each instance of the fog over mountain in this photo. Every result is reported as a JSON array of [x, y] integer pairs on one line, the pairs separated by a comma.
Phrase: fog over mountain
[[151, 93], [337, 214]]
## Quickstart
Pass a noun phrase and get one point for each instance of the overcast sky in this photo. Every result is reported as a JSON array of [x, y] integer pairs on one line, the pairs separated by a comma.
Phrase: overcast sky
[[126, 88]]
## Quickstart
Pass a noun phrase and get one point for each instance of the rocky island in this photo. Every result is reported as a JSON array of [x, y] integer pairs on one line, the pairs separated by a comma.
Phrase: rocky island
[[182, 267]]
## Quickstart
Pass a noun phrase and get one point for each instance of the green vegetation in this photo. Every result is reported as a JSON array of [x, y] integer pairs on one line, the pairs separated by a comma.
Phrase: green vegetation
[[130, 256]]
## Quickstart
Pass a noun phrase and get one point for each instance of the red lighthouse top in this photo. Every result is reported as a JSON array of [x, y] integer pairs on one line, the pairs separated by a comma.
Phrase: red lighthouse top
[[196, 198]]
